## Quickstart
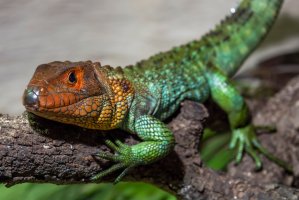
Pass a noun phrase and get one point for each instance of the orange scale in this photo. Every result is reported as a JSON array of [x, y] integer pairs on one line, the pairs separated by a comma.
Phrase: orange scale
[[57, 100], [71, 98], [88, 109], [94, 107], [49, 101], [120, 98], [42, 100], [65, 99], [63, 109], [98, 103], [93, 114], [77, 112], [56, 110]]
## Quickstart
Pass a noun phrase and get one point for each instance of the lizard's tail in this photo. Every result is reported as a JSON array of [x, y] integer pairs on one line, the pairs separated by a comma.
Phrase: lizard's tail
[[230, 43], [226, 46]]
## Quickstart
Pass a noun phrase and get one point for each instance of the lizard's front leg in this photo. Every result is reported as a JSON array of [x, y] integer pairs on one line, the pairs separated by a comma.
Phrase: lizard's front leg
[[158, 141]]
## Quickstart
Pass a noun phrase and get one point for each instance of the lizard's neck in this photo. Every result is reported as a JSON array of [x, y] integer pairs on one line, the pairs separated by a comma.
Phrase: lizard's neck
[[121, 93]]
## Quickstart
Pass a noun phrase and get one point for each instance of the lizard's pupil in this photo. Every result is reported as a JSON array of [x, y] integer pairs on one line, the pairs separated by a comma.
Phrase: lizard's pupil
[[72, 77]]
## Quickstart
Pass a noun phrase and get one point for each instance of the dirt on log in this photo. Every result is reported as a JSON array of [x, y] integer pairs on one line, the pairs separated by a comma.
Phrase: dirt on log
[[52, 152]]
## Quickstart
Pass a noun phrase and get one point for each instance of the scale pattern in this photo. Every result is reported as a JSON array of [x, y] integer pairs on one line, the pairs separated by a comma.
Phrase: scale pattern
[[138, 98]]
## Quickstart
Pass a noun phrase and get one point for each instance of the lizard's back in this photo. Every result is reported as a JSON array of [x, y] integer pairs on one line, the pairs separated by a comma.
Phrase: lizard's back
[[172, 76]]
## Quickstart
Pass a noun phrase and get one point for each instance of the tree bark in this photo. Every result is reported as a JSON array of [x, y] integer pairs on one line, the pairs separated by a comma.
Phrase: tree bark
[[46, 151]]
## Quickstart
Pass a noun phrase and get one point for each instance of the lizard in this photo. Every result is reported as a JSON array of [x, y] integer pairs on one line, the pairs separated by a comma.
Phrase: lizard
[[138, 98]]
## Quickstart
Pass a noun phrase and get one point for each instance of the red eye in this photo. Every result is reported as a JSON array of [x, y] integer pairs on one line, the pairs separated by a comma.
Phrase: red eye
[[72, 77]]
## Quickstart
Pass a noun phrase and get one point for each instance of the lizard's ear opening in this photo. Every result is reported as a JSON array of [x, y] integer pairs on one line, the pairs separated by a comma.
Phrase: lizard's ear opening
[[97, 75]]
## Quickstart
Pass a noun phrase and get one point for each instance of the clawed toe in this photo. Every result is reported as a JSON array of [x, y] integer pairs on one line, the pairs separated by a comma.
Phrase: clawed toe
[[122, 152]]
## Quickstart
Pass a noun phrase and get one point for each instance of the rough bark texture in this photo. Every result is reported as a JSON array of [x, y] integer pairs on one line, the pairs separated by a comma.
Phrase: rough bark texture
[[58, 153]]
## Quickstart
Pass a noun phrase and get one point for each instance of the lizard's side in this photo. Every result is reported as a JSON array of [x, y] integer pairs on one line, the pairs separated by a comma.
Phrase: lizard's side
[[138, 98]]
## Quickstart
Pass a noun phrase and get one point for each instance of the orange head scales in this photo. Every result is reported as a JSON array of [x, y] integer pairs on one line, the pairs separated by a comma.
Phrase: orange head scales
[[80, 93]]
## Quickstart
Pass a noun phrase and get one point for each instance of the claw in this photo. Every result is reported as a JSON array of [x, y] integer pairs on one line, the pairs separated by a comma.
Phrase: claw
[[120, 144], [107, 156], [122, 175], [121, 157], [240, 152], [111, 145], [244, 139], [254, 155], [266, 128], [233, 143], [107, 171], [276, 160]]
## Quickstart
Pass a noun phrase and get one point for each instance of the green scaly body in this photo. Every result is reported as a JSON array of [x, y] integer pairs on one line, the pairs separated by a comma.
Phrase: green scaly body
[[180, 73], [196, 71], [155, 87]]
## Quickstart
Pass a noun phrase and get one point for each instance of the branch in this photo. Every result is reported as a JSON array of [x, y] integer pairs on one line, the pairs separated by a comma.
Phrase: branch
[[56, 153]]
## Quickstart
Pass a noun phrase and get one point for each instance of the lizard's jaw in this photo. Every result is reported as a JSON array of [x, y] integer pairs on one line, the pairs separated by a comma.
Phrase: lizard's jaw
[[93, 112], [39, 97]]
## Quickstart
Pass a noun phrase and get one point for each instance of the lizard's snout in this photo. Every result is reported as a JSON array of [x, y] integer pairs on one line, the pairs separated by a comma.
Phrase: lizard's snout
[[30, 97]]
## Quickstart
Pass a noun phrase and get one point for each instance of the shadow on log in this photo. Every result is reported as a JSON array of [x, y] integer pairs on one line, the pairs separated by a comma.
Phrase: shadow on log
[[56, 153]]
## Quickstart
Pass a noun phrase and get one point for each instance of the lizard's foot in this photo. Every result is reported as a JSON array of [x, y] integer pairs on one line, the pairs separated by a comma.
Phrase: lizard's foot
[[245, 139], [123, 157]]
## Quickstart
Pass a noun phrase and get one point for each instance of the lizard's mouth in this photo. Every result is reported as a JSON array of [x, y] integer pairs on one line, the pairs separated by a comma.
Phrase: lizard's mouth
[[40, 101], [84, 111], [40, 98]]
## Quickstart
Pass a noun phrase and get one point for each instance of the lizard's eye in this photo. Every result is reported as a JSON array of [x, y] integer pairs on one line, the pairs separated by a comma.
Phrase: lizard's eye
[[72, 77]]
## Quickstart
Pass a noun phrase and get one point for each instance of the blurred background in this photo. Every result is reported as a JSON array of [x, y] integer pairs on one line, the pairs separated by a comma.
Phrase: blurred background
[[117, 33]]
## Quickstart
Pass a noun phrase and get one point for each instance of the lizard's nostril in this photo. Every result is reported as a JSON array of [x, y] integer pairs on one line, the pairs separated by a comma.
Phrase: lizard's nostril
[[30, 96]]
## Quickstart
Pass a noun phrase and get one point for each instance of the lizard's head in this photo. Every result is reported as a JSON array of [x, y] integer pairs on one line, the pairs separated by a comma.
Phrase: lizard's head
[[79, 93]]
